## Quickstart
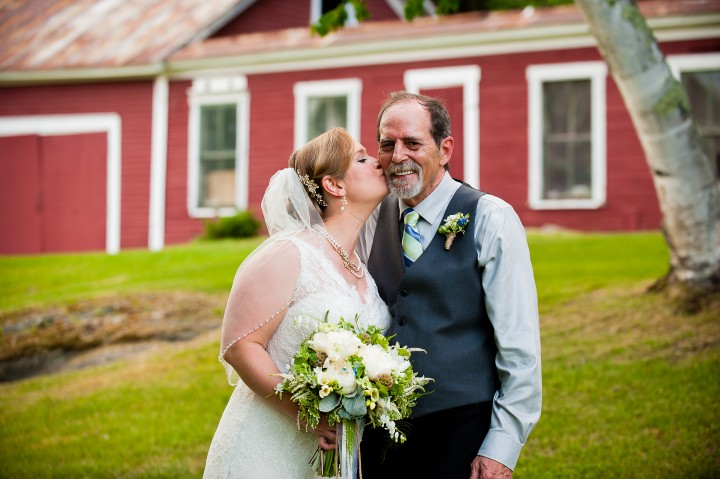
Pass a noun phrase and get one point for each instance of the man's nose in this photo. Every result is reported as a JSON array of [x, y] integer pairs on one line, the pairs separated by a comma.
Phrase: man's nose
[[398, 152]]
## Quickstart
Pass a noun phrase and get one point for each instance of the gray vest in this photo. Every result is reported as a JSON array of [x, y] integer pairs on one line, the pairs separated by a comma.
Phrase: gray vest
[[438, 305]]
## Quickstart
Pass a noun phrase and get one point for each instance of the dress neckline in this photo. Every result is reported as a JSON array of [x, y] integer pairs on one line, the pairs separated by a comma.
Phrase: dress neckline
[[363, 298]]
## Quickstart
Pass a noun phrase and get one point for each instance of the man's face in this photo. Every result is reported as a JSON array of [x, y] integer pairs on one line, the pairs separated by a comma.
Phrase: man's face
[[412, 163]]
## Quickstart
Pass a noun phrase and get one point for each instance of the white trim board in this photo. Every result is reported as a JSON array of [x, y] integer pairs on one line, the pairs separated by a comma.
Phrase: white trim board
[[109, 123], [158, 164]]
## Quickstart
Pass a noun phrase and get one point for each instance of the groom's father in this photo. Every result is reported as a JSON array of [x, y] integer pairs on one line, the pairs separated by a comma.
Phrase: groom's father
[[472, 305]]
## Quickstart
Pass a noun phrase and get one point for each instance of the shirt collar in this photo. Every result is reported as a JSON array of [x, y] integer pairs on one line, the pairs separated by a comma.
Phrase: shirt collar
[[436, 202]]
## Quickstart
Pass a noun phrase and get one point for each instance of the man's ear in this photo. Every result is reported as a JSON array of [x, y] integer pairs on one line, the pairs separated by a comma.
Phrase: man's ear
[[446, 149]]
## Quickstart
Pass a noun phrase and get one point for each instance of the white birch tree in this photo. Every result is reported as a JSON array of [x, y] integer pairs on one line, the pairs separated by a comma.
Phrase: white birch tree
[[685, 181]]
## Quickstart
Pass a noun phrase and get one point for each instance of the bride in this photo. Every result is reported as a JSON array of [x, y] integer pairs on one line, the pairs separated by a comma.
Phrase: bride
[[308, 266]]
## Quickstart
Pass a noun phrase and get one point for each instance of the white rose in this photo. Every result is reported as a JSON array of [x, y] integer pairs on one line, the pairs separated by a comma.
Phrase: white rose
[[377, 361], [336, 344], [343, 373]]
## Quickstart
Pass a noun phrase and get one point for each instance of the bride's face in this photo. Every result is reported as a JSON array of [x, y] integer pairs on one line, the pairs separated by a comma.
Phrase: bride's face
[[364, 180]]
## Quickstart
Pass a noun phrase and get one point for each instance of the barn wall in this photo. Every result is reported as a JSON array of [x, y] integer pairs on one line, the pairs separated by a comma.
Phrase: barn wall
[[133, 102]]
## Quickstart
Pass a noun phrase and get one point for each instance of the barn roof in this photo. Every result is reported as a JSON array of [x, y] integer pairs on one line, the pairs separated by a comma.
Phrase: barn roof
[[67, 34], [42, 40]]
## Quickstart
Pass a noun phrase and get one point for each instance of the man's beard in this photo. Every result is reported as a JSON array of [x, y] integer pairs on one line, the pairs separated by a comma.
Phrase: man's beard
[[404, 189]]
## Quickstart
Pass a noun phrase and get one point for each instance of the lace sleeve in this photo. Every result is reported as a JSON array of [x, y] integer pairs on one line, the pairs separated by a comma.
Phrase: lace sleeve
[[261, 294]]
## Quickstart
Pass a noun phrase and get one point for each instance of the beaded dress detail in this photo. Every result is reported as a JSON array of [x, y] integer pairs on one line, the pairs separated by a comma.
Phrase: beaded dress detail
[[253, 440]]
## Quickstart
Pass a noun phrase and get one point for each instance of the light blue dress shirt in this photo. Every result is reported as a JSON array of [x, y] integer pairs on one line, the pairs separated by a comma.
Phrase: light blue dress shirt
[[511, 302]]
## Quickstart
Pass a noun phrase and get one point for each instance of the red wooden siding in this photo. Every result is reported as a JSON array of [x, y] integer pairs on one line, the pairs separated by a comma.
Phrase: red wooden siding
[[73, 182], [631, 202], [179, 227], [54, 193], [268, 15], [19, 195], [133, 102]]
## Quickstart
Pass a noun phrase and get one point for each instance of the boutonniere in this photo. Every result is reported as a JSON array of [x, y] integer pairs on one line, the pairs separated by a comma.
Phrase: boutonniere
[[453, 225]]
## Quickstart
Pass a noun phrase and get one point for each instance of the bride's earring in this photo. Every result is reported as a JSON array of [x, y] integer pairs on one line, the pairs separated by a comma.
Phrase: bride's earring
[[343, 202]]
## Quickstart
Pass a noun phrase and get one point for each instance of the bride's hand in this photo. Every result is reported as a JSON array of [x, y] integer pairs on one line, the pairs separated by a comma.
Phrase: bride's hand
[[327, 435]]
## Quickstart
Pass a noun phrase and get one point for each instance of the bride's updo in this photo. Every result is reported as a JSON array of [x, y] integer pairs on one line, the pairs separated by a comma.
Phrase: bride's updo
[[328, 154]]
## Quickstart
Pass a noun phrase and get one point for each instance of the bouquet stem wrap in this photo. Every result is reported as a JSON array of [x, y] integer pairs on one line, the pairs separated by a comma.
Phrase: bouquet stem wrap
[[349, 437]]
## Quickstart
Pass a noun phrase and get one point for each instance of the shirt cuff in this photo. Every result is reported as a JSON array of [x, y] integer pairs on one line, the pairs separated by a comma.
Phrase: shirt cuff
[[499, 447]]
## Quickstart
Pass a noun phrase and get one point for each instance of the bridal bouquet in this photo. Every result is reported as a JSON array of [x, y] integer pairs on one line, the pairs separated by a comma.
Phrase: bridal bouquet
[[355, 377]]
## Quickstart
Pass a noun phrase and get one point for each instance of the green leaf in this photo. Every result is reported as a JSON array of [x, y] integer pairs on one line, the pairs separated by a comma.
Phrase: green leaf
[[329, 402], [355, 405]]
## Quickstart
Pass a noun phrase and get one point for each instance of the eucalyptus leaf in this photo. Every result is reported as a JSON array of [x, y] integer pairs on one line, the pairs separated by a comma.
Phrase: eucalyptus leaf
[[329, 402], [355, 405]]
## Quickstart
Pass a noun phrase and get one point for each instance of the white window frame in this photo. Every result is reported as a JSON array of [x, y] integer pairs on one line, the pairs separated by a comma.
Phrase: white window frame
[[467, 77], [693, 62], [351, 88], [596, 73], [216, 91]]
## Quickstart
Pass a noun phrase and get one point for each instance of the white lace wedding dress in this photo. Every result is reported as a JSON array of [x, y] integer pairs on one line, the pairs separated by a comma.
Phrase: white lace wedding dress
[[255, 441]]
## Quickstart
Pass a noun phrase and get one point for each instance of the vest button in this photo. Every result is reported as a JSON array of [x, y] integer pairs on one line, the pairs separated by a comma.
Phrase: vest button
[[404, 292], [402, 320]]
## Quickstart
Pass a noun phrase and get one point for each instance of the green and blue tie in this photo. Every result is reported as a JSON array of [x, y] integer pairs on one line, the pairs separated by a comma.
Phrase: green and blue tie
[[411, 245]]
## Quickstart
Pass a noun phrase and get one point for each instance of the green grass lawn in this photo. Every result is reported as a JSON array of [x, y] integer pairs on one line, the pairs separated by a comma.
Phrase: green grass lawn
[[630, 388]]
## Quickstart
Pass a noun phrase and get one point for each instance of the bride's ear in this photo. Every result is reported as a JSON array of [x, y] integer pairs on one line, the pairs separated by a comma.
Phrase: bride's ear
[[332, 186]]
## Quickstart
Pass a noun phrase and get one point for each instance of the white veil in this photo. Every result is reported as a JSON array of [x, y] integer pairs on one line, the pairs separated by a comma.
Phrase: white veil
[[288, 211]]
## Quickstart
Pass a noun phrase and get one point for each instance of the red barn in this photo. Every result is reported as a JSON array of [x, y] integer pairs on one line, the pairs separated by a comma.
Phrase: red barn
[[125, 124]]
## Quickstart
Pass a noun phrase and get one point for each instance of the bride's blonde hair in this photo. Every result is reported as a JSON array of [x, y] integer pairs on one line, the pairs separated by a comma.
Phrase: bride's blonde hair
[[328, 154]]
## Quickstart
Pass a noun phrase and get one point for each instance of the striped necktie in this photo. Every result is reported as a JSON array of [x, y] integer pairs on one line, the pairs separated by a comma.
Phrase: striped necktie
[[411, 245]]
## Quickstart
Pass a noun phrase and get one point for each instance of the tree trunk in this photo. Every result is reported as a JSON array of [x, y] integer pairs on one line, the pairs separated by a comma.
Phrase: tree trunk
[[684, 177]]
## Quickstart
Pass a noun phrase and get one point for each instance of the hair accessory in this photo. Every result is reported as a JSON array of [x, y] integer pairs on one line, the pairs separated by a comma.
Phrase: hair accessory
[[311, 187]]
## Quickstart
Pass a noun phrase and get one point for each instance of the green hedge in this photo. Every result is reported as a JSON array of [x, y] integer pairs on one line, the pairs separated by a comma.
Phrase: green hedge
[[240, 225]]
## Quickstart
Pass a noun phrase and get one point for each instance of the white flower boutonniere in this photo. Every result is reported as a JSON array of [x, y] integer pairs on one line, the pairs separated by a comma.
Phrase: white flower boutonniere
[[453, 225]]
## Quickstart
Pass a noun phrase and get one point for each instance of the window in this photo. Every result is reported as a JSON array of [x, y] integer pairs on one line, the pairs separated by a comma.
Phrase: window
[[700, 76], [218, 124], [567, 135], [218, 142], [322, 105]]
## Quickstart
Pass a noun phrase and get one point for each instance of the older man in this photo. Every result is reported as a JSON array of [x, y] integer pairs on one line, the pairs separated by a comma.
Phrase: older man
[[471, 304]]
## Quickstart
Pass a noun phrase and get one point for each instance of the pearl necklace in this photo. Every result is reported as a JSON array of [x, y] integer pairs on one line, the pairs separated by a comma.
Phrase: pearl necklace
[[355, 269]]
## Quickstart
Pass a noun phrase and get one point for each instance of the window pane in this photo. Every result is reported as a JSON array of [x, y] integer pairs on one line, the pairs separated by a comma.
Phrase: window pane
[[567, 145], [218, 124], [703, 89], [325, 113]]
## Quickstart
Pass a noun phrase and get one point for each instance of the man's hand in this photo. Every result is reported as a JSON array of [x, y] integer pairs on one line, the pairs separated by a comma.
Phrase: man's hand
[[486, 468]]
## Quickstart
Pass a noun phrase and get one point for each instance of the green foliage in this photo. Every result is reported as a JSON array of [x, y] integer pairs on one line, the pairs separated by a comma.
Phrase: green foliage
[[414, 8], [337, 17], [45, 280], [240, 225], [628, 388]]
